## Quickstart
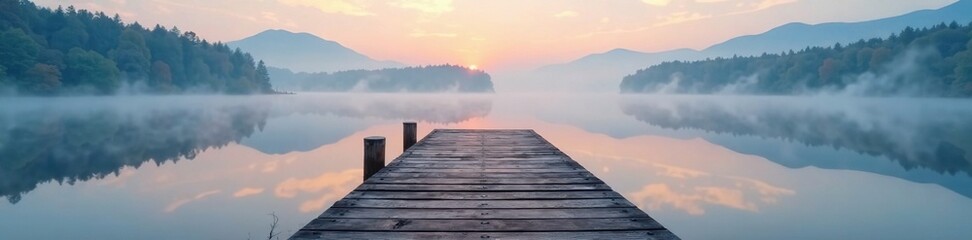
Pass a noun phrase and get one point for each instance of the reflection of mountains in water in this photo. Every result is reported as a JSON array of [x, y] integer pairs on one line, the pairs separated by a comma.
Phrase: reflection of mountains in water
[[930, 134], [70, 141]]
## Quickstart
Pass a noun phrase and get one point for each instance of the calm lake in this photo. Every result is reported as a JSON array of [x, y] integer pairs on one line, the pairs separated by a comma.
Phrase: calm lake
[[706, 167]]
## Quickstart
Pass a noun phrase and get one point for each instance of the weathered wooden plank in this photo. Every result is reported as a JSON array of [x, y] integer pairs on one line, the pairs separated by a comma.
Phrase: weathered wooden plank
[[482, 175], [447, 204], [642, 234], [483, 213], [488, 170], [505, 225], [482, 187], [440, 159], [492, 144], [482, 195], [480, 144], [488, 155], [486, 161], [483, 181], [482, 154], [508, 165]]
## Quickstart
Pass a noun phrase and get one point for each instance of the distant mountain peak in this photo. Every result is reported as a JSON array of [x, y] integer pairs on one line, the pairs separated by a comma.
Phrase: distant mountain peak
[[282, 33], [306, 52], [621, 50]]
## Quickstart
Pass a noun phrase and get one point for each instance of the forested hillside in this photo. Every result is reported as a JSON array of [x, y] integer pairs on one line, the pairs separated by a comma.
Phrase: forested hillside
[[934, 61], [439, 78], [74, 51]]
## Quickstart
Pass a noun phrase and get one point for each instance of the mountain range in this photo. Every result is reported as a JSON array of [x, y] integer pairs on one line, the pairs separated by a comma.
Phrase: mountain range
[[305, 52], [602, 72]]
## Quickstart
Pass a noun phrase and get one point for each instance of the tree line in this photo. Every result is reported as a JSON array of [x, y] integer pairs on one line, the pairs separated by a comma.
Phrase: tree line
[[930, 61], [434, 78], [46, 51]]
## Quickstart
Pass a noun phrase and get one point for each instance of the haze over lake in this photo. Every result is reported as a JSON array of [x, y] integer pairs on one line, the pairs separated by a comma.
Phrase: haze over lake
[[705, 166], [691, 119]]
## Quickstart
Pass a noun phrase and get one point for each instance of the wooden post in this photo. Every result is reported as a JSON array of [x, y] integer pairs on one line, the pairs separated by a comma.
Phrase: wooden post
[[374, 155], [409, 133]]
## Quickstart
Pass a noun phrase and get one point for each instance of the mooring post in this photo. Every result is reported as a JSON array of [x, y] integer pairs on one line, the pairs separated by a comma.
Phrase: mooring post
[[410, 129], [374, 155]]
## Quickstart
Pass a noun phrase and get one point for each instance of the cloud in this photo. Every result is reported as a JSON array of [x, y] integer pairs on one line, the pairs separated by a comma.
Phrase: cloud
[[425, 6], [419, 33], [346, 7], [566, 14], [183, 201], [270, 16], [247, 192], [681, 17], [660, 3], [762, 5]]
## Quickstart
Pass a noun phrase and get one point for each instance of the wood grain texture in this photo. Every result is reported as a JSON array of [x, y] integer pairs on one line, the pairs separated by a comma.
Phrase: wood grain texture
[[482, 184]]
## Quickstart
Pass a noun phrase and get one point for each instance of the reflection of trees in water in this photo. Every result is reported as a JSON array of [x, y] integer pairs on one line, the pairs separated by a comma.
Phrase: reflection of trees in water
[[68, 145], [940, 142], [45, 145]]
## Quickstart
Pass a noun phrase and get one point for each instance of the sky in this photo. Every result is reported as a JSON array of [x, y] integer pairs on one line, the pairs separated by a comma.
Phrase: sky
[[497, 34]]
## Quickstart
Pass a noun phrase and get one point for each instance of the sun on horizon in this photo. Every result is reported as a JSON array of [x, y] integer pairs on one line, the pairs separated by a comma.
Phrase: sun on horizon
[[473, 67]]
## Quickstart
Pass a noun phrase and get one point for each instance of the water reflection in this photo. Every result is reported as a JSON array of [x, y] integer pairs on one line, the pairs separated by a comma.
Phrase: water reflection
[[308, 122], [706, 167], [40, 145], [72, 140], [899, 130]]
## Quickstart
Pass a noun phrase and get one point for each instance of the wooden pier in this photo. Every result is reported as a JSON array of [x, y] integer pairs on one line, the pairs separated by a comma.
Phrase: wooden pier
[[483, 184]]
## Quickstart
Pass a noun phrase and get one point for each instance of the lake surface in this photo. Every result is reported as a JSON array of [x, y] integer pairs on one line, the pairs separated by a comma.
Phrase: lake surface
[[707, 167]]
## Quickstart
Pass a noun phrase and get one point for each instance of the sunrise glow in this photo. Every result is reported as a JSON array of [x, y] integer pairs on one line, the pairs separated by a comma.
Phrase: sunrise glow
[[507, 34]]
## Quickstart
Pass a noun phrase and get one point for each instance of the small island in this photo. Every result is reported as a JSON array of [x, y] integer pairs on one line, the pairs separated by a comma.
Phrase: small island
[[437, 78]]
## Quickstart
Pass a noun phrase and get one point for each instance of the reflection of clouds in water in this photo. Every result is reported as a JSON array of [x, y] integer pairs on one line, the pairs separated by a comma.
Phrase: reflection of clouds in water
[[678, 172], [768, 192], [183, 201], [691, 200], [742, 194], [334, 185], [270, 166], [247, 191], [687, 188], [660, 194]]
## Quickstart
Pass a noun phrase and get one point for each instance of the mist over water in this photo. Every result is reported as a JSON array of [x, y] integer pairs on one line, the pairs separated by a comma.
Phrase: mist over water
[[144, 163]]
